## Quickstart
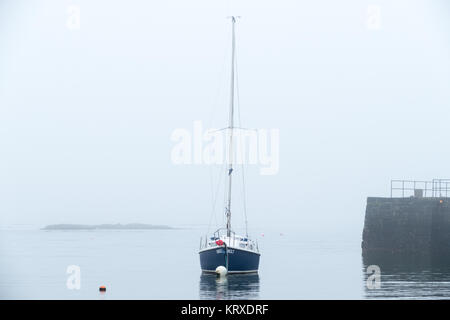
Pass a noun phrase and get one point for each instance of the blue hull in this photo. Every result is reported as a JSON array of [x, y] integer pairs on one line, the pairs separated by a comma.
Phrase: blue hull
[[239, 261]]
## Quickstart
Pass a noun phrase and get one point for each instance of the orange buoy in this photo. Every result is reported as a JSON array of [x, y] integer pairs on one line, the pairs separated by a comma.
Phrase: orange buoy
[[441, 201], [102, 289]]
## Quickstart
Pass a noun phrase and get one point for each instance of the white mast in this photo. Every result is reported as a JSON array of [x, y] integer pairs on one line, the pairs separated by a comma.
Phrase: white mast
[[230, 127]]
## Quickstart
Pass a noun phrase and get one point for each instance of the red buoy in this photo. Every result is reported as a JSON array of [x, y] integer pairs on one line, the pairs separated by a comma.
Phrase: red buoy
[[102, 289], [219, 242]]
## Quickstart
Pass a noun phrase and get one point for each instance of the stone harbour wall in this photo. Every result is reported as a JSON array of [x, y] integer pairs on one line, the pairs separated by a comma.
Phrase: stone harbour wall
[[407, 229]]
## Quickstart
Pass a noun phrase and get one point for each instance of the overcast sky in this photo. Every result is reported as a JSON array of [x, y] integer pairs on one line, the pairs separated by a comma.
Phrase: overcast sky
[[86, 114]]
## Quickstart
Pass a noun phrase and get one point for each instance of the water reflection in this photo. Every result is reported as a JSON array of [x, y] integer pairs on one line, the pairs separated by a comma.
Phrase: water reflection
[[407, 278], [234, 286]]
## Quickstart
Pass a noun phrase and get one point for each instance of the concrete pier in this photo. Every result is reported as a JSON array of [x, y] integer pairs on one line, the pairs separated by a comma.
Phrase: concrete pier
[[407, 230]]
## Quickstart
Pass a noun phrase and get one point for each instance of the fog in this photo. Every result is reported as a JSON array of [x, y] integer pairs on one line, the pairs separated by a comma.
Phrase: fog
[[87, 114]]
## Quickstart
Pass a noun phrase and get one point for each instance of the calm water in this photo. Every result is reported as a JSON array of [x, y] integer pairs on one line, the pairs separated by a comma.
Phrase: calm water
[[163, 264]]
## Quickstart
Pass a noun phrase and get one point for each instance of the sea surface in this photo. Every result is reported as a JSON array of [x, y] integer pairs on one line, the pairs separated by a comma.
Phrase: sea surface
[[164, 264]]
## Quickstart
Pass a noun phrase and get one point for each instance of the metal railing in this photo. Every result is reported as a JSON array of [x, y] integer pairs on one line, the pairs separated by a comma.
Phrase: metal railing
[[434, 188], [210, 241]]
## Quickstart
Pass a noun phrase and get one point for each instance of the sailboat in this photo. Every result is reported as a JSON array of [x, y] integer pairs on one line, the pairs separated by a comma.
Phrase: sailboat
[[224, 248]]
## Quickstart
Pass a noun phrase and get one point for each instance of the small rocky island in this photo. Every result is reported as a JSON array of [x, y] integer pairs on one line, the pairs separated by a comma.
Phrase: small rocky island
[[117, 226]]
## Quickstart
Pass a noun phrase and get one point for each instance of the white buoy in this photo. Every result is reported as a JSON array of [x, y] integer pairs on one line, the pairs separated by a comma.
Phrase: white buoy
[[221, 271]]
